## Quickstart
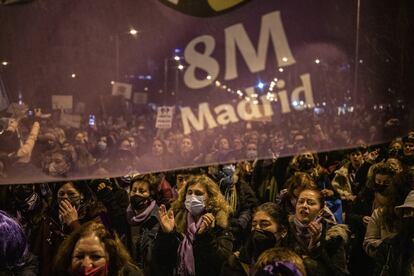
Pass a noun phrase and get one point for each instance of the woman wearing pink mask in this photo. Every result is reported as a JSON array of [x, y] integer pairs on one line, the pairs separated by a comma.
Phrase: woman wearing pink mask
[[194, 237], [320, 242], [93, 251]]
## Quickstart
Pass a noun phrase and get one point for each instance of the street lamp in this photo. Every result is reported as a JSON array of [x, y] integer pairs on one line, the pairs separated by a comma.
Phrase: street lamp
[[133, 32], [178, 67], [4, 63]]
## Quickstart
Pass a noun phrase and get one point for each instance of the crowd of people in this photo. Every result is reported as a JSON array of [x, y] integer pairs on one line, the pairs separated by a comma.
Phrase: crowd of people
[[45, 145], [337, 213]]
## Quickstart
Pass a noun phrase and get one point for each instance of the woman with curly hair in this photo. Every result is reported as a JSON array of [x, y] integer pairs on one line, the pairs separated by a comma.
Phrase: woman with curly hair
[[92, 250], [194, 237]]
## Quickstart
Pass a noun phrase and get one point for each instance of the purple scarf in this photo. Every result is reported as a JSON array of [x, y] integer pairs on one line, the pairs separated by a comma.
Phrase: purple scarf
[[302, 232], [185, 250], [136, 219]]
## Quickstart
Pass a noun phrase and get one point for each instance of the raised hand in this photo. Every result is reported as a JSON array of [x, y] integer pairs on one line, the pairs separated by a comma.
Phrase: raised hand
[[315, 229], [366, 219], [206, 223], [327, 193], [166, 219], [67, 212]]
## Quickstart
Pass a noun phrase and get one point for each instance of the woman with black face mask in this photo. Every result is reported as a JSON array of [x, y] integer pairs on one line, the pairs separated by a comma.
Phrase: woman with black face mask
[[383, 222], [269, 229], [28, 205], [73, 205], [142, 215]]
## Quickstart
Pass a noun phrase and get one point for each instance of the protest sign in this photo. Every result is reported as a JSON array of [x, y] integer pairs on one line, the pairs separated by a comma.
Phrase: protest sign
[[303, 74]]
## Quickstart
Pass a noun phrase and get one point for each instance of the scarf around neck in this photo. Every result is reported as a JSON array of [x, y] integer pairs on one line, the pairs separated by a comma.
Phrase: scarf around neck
[[303, 233], [186, 265], [136, 219]]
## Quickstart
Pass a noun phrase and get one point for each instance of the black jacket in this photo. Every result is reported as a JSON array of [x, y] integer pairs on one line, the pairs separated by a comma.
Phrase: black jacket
[[330, 255], [393, 257], [210, 250]]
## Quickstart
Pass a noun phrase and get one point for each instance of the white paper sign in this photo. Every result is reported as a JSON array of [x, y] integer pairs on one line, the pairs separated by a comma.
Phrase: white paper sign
[[164, 116], [122, 89], [140, 98], [62, 102]]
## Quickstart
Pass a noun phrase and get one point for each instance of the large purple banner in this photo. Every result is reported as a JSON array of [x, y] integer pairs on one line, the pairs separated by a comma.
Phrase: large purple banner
[[105, 88]]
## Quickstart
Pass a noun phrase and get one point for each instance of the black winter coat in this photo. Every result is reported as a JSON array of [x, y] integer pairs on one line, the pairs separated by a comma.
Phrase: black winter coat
[[330, 255], [210, 249]]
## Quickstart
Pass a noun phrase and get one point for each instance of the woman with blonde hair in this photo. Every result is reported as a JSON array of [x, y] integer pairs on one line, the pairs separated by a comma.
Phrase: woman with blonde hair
[[194, 237]]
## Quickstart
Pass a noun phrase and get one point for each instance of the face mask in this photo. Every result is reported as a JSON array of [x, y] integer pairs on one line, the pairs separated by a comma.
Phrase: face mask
[[23, 192], [408, 159], [408, 226], [396, 153], [75, 201], [251, 154], [381, 189], [124, 153], [90, 271], [102, 146], [194, 204], [261, 241], [139, 202], [57, 170], [305, 164]]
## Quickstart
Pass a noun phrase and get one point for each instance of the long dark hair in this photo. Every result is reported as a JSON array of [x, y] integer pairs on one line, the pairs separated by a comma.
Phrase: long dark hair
[[276, 213], [396, 194], [91, 205]]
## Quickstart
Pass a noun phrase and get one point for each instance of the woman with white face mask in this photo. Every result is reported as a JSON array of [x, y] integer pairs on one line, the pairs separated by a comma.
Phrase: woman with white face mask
[[194, 237]]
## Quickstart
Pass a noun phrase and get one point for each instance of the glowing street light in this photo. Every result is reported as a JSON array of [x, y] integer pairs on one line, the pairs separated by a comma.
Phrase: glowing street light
[[260, 85], [4, 63], [133, 32], [73, 76]]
